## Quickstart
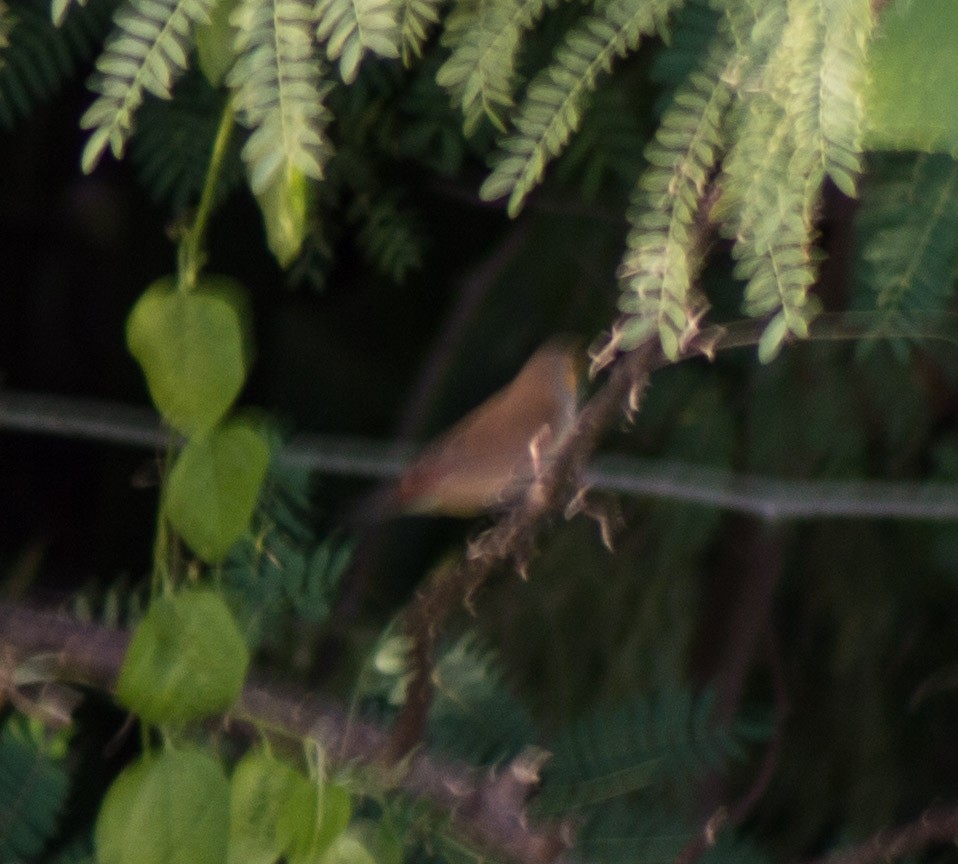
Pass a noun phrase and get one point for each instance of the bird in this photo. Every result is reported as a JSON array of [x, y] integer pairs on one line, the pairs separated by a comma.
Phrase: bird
[[490, 456]]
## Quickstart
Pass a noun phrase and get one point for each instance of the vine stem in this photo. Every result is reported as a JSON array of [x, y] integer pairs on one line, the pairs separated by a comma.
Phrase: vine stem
[[192, 255]]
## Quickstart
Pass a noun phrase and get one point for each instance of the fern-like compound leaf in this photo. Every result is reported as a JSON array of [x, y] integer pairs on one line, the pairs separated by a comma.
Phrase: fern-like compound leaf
[[848, 26], [907, 233], [771, 185], [350, 28], [798, 120], [171, 146], [664, 249], [279, 90], [39, 57], [416, 20], [147, 51], [649, 742], [387, 235], [554, 104], [480, 72]]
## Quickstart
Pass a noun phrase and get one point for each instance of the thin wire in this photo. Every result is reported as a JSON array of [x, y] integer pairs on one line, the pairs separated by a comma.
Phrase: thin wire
[[770, 499]]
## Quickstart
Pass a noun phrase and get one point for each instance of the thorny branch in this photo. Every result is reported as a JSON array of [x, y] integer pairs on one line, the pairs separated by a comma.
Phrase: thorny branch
[[487, 809], [511, 541]]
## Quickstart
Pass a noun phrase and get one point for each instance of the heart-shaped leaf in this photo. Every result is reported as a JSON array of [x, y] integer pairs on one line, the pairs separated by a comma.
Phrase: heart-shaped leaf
[[259, 792], [166, 809], [195, 348], [187, 660], [213, 486]]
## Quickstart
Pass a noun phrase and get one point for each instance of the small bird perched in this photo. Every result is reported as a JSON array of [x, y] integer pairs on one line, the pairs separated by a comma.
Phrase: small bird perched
[[492, 454]]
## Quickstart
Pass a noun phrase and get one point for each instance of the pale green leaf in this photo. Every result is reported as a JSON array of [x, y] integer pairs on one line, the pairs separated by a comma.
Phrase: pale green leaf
[[284, 204]]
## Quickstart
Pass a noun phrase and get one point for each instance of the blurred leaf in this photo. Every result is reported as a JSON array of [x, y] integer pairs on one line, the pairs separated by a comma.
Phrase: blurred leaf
[[187, 660], [284, 204], [312, 820], [214, 43], [260, 791], [168, 809], [214, 485], [33, 789], [911, 99], [195, 348]]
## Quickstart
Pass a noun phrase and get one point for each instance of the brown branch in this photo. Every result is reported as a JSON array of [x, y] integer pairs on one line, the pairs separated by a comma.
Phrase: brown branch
[[486, 809], [937, 825]]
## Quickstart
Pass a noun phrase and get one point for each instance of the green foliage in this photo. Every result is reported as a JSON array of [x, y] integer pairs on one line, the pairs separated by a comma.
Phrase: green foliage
[[618, 832], [484, 36], [279, 91], [33, 788], [665, 249], [430, 133], [643, 745], [313, 820], [760, 109], [281, 570], [187, 660], [146, 52], [214, 485], [693, 30], [416, 20], [349, 28], [606, 156], [910, 90], [773, 107], [474, 715], [555, 101], [801, 124], [285, 205], [388, 236], [171, 146], [907, 237], [276, 812], [194, 346], [259, 792], [38, 57], [173, 807]]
